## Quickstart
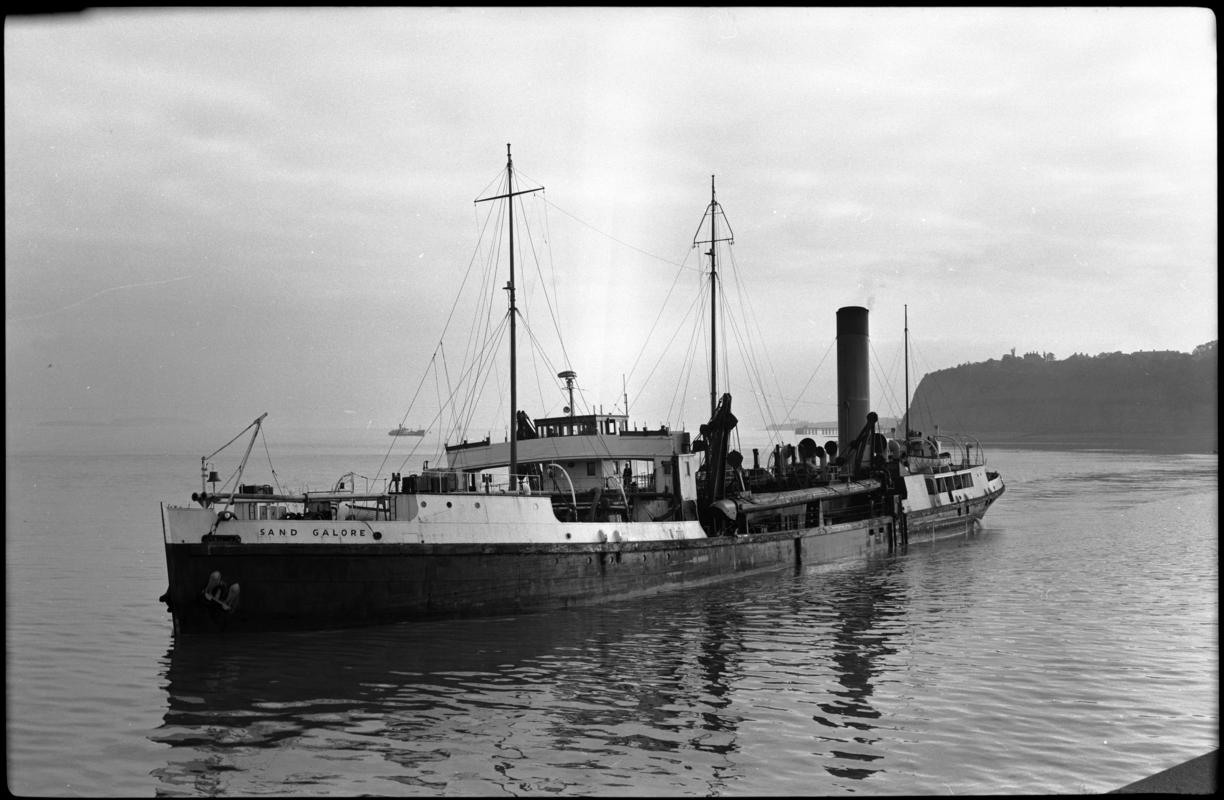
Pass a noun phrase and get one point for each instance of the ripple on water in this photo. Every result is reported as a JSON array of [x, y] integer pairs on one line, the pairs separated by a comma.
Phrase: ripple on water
[[1070, 646]]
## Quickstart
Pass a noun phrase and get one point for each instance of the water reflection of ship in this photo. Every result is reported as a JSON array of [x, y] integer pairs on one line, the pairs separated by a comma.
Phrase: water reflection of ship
[[672, 675], [861, 604], [231, 703], [626, 686]]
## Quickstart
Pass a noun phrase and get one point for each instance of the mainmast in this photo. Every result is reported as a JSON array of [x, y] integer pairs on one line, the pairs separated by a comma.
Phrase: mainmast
[[509, 195], [907, 425], [713, 211]]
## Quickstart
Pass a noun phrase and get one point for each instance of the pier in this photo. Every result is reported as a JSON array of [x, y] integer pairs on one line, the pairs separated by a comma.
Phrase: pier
[[1196, 776]]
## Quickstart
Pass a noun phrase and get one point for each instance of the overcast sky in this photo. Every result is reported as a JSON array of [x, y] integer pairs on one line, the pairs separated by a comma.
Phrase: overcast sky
[[210, 214]]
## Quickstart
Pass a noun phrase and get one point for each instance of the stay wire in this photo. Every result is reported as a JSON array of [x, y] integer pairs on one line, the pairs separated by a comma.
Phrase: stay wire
[[610, 237], [654, 325], [275, 479]]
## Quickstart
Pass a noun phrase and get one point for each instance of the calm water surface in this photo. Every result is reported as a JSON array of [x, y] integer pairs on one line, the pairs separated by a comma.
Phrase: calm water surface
[[1069, 646]]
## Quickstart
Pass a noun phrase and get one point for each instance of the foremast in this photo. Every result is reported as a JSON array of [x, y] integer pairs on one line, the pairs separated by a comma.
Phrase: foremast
[[509, 196]]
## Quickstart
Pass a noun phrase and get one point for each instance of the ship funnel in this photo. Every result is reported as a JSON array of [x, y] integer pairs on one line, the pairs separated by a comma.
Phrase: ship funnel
[[853, 375]]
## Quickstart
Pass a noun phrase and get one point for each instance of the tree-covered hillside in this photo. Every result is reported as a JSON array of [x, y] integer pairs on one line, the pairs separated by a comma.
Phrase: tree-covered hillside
[[1158, 399]]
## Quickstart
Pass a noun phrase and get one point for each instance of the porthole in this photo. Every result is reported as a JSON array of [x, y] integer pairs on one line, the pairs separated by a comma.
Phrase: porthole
[[478, 504], [449, 504], [423, 504]]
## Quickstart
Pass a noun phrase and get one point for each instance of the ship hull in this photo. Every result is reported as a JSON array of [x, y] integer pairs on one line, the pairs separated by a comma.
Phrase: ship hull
[[320, 586]]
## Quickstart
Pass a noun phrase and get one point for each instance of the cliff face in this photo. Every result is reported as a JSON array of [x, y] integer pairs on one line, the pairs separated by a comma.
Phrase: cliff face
[[1163, 400]]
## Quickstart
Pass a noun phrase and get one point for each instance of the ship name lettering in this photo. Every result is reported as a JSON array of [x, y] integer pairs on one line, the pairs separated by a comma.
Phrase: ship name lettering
[[278, 531], [338, 532]]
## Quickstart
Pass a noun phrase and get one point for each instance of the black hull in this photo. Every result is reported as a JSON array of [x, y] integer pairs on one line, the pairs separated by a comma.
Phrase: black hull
[[330, 586], [308, 586]]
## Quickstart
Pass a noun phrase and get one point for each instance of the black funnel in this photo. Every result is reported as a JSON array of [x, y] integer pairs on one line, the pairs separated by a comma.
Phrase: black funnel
[[853, 375]]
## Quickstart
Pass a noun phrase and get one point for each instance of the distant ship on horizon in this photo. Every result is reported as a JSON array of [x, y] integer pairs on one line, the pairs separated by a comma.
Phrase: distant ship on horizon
[[402, 431]]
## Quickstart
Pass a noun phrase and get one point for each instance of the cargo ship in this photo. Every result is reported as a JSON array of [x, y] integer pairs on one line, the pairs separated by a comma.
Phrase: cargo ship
[[572, 509]]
